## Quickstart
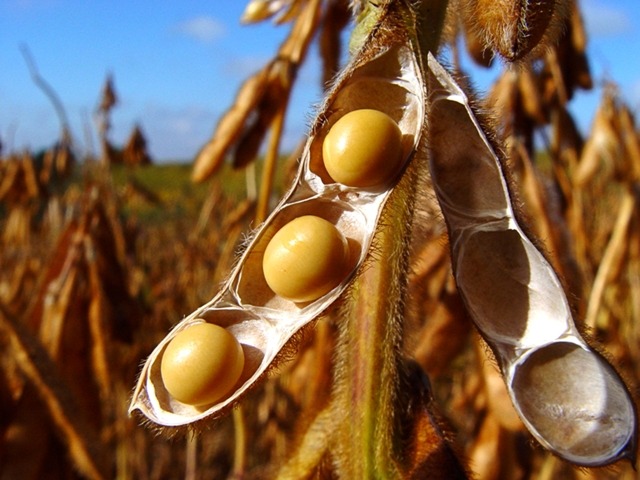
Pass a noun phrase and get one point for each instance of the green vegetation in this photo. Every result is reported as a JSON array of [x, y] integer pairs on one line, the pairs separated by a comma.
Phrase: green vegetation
[[162, 192]]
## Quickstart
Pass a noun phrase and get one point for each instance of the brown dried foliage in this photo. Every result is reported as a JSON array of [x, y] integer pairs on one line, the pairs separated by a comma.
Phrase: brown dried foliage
[[135, 150], [259, 100]]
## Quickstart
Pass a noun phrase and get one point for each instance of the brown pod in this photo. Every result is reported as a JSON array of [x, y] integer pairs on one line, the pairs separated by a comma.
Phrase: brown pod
[[227, 132], [477, 48], [511, 28]]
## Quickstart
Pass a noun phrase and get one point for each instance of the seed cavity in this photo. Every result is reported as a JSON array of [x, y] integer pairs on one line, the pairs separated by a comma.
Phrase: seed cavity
[[580, 408], [570, 398]]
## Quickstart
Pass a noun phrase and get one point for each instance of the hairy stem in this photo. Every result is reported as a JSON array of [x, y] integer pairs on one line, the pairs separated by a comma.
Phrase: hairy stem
[[369, 346]]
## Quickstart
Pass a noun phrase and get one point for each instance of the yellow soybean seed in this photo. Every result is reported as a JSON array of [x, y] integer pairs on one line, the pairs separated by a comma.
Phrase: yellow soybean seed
[[363, 148], [201, 364], [305, 259]]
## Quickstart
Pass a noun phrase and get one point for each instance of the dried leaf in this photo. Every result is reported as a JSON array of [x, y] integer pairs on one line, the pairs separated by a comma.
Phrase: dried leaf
[[135, 150], [531, 97], [612, 258], [603, 145], [108, 98], [99, 316], [445, 334], [19, 181], [83, 446], [631, 142], [17, 229]]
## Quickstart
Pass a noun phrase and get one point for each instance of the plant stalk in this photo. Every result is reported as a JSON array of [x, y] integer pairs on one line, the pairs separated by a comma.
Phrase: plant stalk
[[270, 162], [370, 343], [240, 454], [612, 256]]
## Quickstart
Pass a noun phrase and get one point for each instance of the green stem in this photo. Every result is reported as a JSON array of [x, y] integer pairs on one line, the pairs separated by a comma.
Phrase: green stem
[[370, 343]]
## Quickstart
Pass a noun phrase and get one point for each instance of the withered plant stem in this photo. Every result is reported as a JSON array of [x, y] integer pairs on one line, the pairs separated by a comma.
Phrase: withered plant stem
[[250, 177], [611, 258], [240, 453], [191, 470], [270, 162], [47, 89]]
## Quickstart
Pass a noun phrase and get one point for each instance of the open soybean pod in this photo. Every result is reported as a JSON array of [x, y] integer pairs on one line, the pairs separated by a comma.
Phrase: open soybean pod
[[569, 397], [263, 313]]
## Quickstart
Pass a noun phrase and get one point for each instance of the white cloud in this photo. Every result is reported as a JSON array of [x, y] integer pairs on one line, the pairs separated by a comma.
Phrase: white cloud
[[241, 67], [632, 93], [203, 29], [604, 20]]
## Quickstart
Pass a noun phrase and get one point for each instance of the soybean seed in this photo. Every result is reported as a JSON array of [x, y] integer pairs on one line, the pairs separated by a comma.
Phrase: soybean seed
[[363, 148], [305, 259], [201, 364]]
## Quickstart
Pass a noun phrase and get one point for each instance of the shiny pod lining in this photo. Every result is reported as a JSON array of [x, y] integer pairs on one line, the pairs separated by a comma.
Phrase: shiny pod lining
[[581, 410], [510, 289]]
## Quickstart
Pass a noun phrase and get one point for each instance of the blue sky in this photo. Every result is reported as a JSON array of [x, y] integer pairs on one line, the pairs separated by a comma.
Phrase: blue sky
[[177, 66]]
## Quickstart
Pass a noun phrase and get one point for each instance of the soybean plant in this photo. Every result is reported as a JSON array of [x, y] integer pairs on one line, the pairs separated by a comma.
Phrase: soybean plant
[[396, 121]]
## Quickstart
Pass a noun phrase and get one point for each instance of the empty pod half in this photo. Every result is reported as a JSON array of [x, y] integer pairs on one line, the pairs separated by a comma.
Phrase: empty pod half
[[569, 397]]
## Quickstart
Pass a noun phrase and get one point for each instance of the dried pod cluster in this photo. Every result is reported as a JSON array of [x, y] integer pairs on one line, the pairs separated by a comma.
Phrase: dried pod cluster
[[567, 395], [257, 305], [263, 98]]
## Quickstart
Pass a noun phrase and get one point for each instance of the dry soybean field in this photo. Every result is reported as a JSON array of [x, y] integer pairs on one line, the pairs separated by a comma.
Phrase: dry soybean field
[[436, 284]]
